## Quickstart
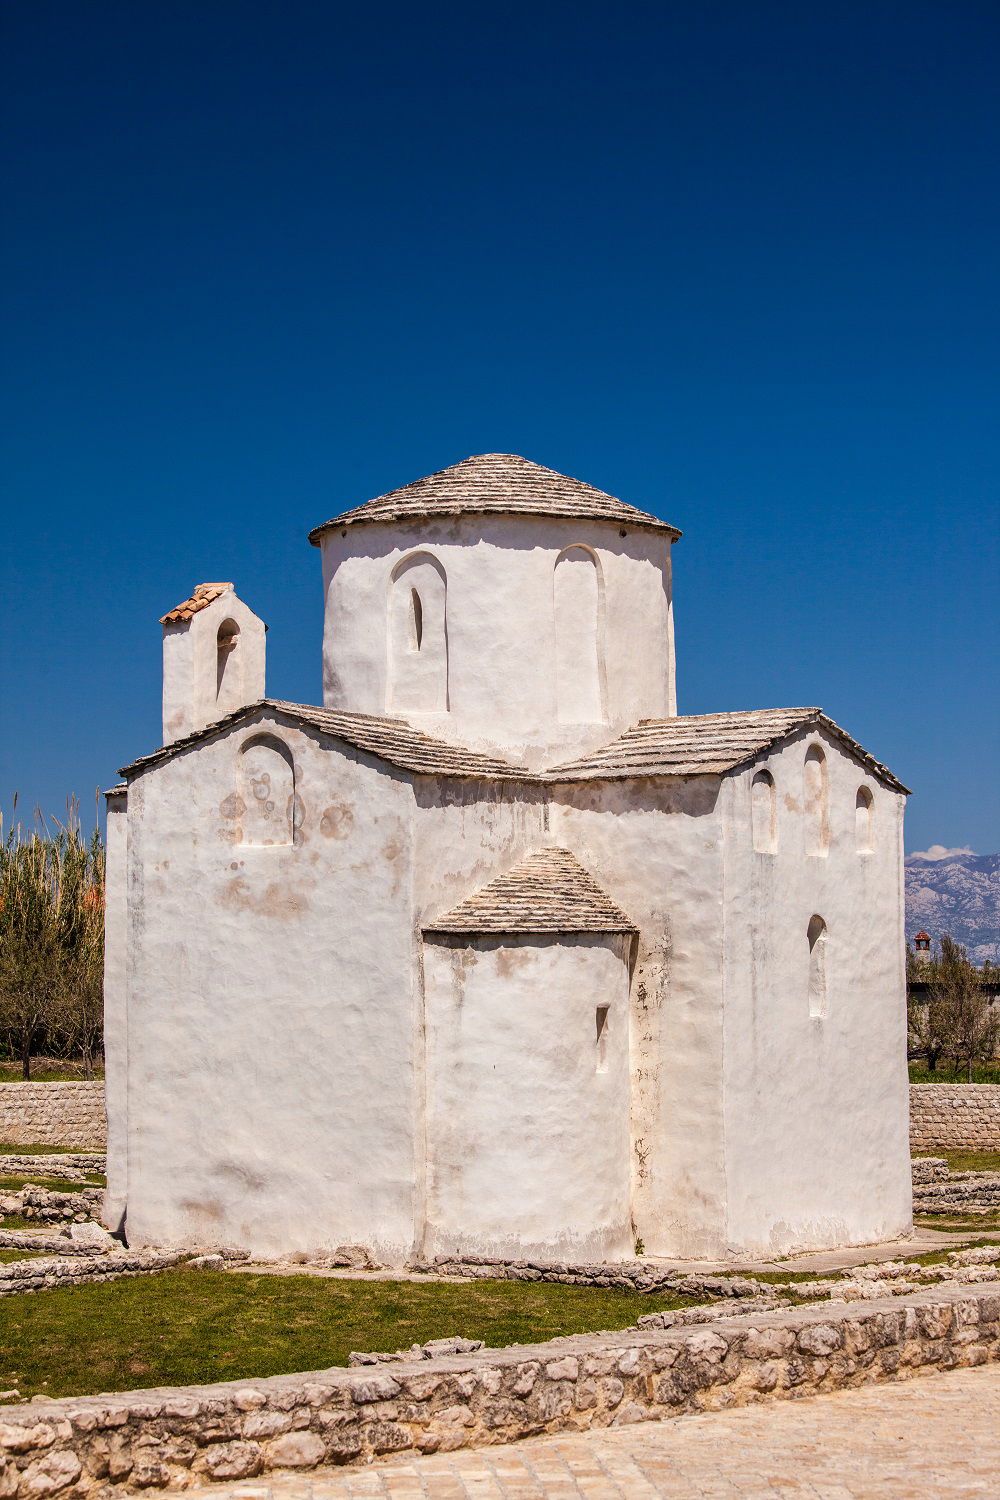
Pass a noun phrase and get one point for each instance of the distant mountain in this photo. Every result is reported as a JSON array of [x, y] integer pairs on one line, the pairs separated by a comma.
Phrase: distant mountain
[[960, 894]]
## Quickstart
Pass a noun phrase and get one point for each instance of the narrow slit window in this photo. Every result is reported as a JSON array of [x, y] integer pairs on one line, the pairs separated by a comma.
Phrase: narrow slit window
[[416, 621], [817, 968], [602, 1038], [864, 821]]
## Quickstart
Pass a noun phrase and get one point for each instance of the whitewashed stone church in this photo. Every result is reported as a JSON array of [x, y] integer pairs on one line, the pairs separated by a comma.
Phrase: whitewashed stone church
[[495, 952]]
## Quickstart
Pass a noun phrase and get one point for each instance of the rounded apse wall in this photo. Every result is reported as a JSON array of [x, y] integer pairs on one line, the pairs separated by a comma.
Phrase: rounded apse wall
[[506, 630]]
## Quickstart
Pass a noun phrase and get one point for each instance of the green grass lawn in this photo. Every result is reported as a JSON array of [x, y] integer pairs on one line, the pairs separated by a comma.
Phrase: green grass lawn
[[13, 1184], [6, 1256], [191, 1327], [972, 1161], [50, 1070], [981, 1073], [954, 1222], [11, 1148]]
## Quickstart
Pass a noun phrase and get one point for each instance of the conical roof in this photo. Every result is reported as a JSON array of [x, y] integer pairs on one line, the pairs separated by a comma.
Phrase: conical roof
[[548, 891], [496, 484]]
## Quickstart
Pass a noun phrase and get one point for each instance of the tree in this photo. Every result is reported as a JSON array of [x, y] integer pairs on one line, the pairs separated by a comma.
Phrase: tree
[[928, 1013], [956, 1020], [51, 940]]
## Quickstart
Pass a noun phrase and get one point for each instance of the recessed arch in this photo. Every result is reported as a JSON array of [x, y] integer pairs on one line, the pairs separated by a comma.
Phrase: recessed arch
[[228, 668], [864, 820], [815, 788], [578, 606], [816, 938], [417, 631], [266, 783], [764, 813]]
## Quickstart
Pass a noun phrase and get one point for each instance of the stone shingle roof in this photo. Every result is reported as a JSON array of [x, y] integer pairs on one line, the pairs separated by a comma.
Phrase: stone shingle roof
[[694, 745], [496, 484], [548, 891], [392, 740], [204, 594], [706, 744]]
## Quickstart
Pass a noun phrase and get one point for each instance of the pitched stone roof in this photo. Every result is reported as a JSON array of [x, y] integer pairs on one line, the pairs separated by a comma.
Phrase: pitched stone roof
[[695, 745], [496, 484], [548, 891], [204, 594], [392, 740], [706, 744]]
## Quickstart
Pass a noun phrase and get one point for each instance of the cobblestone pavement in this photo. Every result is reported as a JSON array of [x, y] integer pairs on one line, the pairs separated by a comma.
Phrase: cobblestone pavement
[[937, 1435]]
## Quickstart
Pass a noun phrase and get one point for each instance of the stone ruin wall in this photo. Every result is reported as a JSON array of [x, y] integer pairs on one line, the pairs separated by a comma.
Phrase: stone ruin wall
[[955, 1117], [54, 1114], [111, 1446]]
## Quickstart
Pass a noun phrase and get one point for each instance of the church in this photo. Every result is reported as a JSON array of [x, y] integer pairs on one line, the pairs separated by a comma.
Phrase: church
[[495, 952]]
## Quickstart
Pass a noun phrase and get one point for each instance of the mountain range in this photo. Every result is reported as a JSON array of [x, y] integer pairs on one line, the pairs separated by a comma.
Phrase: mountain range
[[957, 893]]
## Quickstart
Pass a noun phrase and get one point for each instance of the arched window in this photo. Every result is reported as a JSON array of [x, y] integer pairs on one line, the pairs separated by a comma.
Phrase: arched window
[[578, 596], [864, 821], [228, 668], [267, 792], [816, 936], [764, 813], [418, 636], [815, 798]]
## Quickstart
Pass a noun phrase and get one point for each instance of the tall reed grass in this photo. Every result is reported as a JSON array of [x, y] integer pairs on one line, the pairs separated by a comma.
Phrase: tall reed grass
[[51, 940]]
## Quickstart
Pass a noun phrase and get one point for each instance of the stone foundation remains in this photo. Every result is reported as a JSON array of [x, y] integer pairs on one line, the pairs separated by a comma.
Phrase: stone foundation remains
[[54, 1114], [955, 1116], [154, 1439]]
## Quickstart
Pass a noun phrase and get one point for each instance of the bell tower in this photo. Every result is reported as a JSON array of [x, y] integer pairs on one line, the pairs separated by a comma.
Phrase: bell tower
[[213, 659]]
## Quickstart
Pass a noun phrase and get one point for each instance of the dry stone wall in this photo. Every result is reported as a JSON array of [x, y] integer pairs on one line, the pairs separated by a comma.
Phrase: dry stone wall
[[116, 1445], [54, 1114], [955, 1116]]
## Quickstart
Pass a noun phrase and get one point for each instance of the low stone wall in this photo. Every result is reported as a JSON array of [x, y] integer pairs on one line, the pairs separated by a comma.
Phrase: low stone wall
[[955, 1116], [54, 1114], [159, 1438]]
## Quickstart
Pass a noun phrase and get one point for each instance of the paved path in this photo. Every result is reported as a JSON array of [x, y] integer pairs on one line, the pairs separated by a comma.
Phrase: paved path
[[938, 1435]]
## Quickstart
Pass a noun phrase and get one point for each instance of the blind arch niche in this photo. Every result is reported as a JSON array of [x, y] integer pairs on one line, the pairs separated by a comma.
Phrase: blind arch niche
[[267, 792], [578, 599], [418, 635]]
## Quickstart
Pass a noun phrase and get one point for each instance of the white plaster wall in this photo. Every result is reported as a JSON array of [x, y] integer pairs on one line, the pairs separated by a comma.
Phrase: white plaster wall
[[271, 1007], [116, 1009], [191, 697], [501, 632], [657, 849], [816, 1109], [527, 1132]]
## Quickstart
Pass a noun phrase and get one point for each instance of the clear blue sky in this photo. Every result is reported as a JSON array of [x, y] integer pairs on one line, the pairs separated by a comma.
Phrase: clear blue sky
[[737, 264]]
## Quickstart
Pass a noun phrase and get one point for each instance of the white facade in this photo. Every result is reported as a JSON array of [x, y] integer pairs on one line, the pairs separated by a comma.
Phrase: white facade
[[336, 1013], [530, 628]]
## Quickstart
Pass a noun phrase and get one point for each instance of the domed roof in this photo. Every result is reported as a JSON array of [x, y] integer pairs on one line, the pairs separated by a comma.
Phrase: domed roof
[[496, 484]]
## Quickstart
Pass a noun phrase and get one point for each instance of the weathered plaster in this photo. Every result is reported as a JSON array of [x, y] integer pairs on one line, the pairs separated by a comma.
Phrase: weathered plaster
[[501, 625], [527, 1107], [816, 1128]]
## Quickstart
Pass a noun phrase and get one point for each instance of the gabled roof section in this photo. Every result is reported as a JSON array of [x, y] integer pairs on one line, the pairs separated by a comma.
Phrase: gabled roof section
[[392, 740], [496, 484], [204, 595], [548, 891], [707, 744]]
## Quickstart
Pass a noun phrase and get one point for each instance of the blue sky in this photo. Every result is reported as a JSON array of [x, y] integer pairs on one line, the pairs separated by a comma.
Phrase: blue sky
[[736, 264]]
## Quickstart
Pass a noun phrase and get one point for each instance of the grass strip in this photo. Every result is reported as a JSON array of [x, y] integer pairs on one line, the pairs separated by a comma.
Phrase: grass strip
[[192, 1327]]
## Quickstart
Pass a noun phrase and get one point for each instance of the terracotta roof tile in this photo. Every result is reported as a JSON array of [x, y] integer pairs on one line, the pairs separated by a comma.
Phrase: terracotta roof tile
[[204, 594], [496, 484], [548, 891], [706, 744]]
